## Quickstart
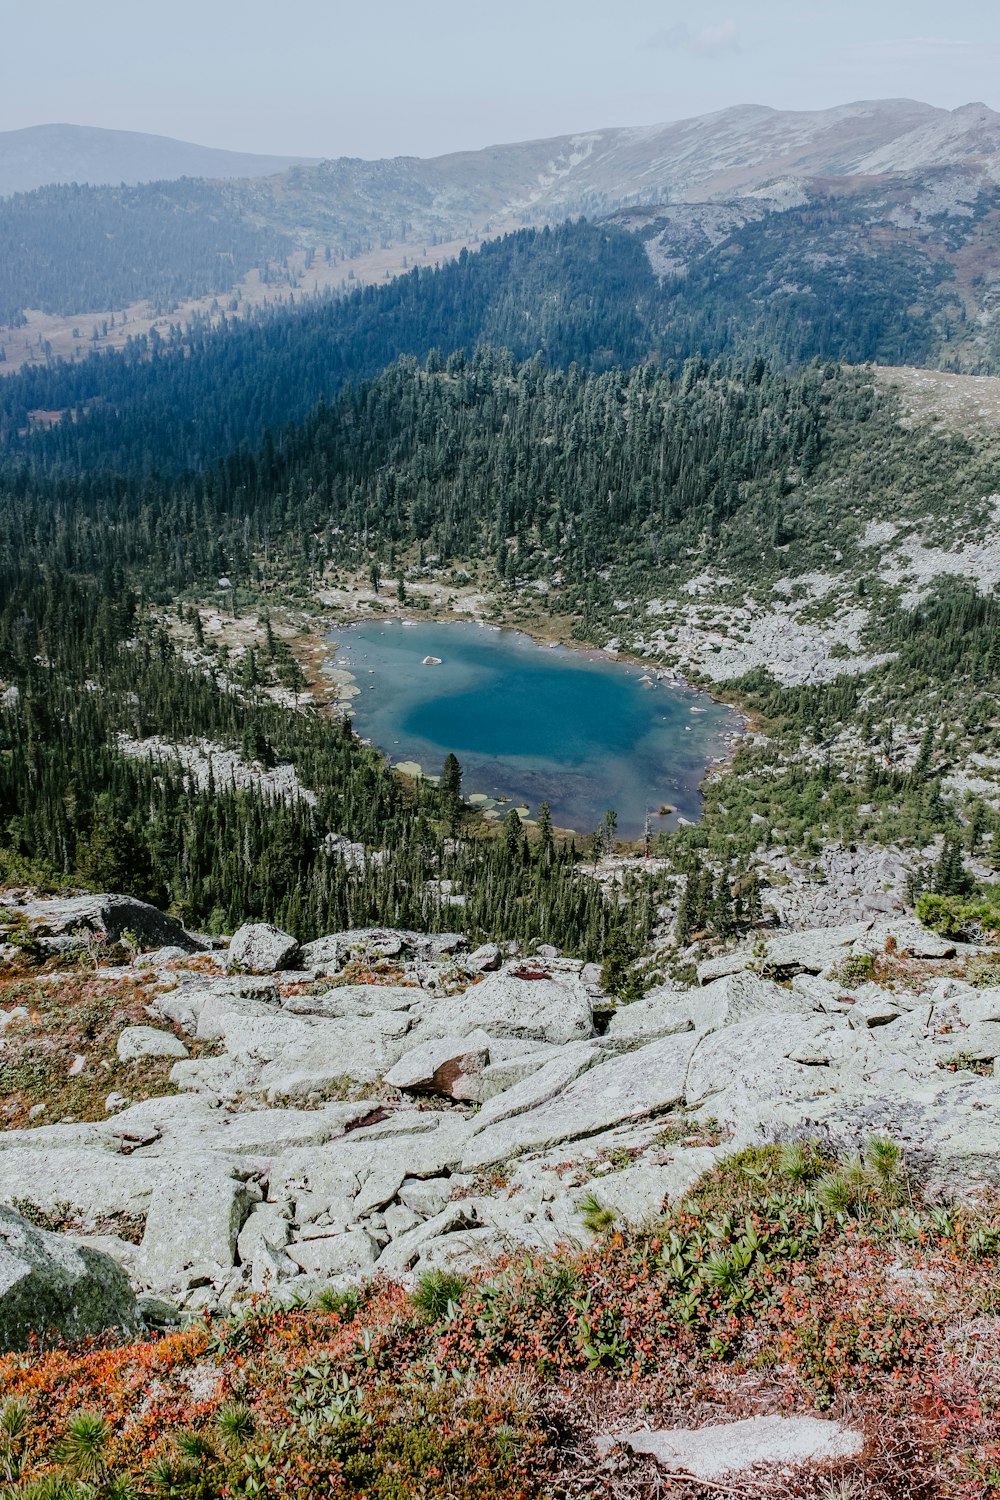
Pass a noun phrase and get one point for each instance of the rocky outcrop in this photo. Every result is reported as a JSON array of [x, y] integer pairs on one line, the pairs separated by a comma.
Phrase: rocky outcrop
[[330, 1128], [137, 1042], [59, 924], [50, 1288]]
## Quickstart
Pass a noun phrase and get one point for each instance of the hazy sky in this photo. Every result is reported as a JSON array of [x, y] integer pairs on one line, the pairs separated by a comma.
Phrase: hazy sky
[[387, 77]]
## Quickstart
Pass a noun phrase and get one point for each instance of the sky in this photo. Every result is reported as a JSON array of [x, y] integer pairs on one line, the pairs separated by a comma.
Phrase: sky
[[421, 77]]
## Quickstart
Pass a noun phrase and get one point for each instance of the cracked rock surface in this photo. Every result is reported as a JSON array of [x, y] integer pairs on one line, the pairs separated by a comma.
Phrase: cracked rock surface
[[462, 1105]]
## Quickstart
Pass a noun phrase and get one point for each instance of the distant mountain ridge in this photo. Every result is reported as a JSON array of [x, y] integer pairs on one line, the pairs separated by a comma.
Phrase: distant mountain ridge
[[720, 155], [43, 155], [91, 267]]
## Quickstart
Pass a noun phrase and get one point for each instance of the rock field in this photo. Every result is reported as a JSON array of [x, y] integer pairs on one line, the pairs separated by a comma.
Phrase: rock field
[[465, 1104]]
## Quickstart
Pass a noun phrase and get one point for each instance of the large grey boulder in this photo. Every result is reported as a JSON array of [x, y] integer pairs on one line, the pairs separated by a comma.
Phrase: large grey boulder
[[350, 1251], [738, 997], [812, 951], [260, 948], [909, 936], [195, 1217], [49, 1286], [543, 1010], [540, 1085], [648, 1081], [450, 1066], [274, 1054], [136, 1042], [485, 960], [60, 920]]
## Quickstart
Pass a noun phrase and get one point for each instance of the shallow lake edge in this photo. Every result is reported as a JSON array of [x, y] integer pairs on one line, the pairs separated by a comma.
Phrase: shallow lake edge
[[743, 723]]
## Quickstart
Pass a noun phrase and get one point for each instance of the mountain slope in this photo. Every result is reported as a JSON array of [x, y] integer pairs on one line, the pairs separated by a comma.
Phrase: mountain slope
[[893, 272], [44, 154], [327, 226], [709, 157]]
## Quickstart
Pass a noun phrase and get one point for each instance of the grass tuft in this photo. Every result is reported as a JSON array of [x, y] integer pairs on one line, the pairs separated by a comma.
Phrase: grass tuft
[[437, 1293]]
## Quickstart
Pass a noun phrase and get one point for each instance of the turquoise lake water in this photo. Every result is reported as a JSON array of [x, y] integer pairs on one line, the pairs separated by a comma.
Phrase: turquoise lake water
[[531, 723]]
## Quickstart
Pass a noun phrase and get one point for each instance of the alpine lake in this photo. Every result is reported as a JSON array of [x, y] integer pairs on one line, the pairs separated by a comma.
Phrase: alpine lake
[[532, 723]]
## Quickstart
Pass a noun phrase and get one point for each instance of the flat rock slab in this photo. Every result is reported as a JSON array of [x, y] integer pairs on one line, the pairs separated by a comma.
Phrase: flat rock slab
[[909, 937], [648, 1081], [539, 1086], [540, 1010], [95, 1182], [136, 1042], [355, 1000], [718, 1452], [637, 1194], [815, 950]]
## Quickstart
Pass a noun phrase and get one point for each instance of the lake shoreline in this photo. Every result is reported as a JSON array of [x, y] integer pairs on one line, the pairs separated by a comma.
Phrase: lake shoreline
[[689, 775], [543, 634]]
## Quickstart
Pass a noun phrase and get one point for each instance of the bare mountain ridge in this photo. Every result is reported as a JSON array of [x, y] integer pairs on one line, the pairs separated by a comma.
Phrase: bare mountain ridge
[[717, 157], [42, 155]]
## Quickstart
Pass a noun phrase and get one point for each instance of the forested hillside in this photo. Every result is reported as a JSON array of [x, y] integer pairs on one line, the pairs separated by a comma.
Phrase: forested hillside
[[74, 249], [892, 273], [599, 485], [580, 294]]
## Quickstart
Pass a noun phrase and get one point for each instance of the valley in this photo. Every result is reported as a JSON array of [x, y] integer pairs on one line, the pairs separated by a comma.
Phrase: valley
[[380, 1114]]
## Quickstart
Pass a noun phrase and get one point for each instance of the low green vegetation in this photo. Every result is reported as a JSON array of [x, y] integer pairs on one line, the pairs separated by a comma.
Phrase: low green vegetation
[[788, 1276]]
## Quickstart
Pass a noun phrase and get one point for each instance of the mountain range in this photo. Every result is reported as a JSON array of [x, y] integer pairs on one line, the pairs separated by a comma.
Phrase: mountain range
[[903, 182], [721, 155]]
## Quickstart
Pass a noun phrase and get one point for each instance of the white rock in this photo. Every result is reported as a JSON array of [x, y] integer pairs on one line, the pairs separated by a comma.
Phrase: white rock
[[540, 1085], [403, 1253], [650, 1080], [260, 948], [399, 1219], [136, 1042], [730, 1447], [350, 1000], [425, 1198], [195, 1215], [814, 950], [484, 960], [451, 1066], [637, 1194], [658, 1013], [334, 1254], [96, 1182], [723, 964], [909, 937], [544, 1010]]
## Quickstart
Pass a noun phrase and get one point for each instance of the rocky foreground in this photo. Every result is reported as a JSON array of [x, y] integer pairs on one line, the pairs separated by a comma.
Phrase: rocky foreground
[[385, 1216], [308, 1127]]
